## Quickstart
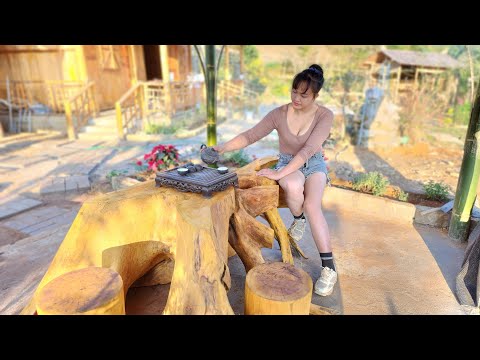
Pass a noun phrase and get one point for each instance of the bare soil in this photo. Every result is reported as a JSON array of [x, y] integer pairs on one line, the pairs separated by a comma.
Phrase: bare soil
[[407, 167]]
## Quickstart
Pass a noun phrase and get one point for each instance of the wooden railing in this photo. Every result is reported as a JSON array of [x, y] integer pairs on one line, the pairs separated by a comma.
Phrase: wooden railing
[[153, 98], [79, 108], [51, 93], [184, 95], [129, 108], [228, 89]]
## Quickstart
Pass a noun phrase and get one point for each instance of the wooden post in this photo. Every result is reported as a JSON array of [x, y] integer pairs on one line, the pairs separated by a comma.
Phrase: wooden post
[[70, 127], [9, 99], [399, 75], [384, 75], [132, 64], [81, 62], [165, 77], [91, 102], [277, 289], [143, 104], [95, 102], [415, 81], [118, 111]]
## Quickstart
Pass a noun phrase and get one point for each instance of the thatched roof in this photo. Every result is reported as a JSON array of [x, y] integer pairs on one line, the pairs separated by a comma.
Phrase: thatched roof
[[417, 58]]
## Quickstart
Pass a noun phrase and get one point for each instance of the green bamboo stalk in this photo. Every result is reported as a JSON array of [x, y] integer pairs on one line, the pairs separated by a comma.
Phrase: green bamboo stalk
[[210, 83], [468, 178]]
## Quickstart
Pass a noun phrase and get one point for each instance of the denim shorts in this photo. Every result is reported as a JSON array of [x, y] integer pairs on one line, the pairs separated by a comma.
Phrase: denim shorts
[[313, 165]]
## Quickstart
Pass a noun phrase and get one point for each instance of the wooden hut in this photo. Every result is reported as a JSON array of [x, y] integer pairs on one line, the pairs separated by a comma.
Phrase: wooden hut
[[78, 81], [400, 71], [43, 72]]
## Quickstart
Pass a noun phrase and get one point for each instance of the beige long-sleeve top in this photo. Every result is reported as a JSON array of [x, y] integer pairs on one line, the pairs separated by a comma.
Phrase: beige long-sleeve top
[[305, 145]]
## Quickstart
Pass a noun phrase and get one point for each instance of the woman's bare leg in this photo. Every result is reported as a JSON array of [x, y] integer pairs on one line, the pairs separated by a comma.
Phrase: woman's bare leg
[[292, 185], [314, 189]]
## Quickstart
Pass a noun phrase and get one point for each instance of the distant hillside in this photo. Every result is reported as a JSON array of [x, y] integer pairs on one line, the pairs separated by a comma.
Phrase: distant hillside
[[321, 54], [279, 53]]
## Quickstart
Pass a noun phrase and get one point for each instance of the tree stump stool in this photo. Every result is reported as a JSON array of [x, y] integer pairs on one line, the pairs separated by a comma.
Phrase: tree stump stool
[[88, 291], [277, 289]]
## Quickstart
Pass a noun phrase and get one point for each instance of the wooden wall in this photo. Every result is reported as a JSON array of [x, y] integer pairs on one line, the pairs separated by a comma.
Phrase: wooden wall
[[41, 62], [36, 64], [180, 61], [140, 63], [109, 67]]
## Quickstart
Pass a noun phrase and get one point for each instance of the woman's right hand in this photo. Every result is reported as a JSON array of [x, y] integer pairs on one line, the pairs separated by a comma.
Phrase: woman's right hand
[[220, 148]]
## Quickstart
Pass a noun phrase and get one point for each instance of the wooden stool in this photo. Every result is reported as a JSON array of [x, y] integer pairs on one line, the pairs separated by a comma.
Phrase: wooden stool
[[89, 291], [277, 289]]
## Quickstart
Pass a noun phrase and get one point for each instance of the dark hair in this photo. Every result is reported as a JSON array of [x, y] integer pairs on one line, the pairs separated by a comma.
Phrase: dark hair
[[312, 77]]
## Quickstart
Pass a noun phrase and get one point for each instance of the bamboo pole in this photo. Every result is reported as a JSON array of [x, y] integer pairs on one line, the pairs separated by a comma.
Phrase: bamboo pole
[[210, 82], [468, 178]]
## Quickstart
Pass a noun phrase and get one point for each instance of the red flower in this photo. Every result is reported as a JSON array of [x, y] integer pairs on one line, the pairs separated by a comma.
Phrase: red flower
[[161, 156], [139, 163]]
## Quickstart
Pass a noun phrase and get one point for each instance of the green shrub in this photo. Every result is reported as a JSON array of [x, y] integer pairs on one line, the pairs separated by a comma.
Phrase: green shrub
[[238, 157], [402, 195], [373, 182], [160, 129], [114, 173], [462, 112], [436, 191]]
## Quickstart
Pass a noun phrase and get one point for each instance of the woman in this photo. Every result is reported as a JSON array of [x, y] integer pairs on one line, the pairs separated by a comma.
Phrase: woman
[[302, 126]]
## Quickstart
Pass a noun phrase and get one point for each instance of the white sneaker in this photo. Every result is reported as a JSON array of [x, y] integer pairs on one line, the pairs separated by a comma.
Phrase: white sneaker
[[325, 283], [297, 229]]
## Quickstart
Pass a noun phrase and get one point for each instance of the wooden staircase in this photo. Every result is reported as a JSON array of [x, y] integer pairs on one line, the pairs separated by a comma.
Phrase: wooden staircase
[[102, 127]]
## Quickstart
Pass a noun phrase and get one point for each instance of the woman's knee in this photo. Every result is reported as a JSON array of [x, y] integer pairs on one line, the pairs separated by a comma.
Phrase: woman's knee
[[294, 188]]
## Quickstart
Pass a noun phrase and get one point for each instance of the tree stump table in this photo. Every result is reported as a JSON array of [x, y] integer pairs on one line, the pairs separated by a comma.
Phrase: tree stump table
[[151, 235]]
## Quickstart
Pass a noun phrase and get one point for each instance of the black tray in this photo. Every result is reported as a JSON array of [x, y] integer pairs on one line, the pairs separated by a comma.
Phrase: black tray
[[205, 181]]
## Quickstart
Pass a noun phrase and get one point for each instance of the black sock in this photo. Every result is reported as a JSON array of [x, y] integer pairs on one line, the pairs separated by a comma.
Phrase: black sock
[[301, 216], [327, 260]]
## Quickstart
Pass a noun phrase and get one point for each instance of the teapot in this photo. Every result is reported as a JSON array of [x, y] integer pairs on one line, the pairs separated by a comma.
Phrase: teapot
[[209, 155]]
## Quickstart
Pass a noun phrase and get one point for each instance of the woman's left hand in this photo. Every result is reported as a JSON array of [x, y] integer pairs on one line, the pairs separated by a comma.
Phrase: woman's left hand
[[269, 173]]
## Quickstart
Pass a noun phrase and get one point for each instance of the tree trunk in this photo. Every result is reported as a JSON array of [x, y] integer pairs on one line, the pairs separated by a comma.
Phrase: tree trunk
[[134, 230], [88, 291], [277, 289], [247, 178]]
